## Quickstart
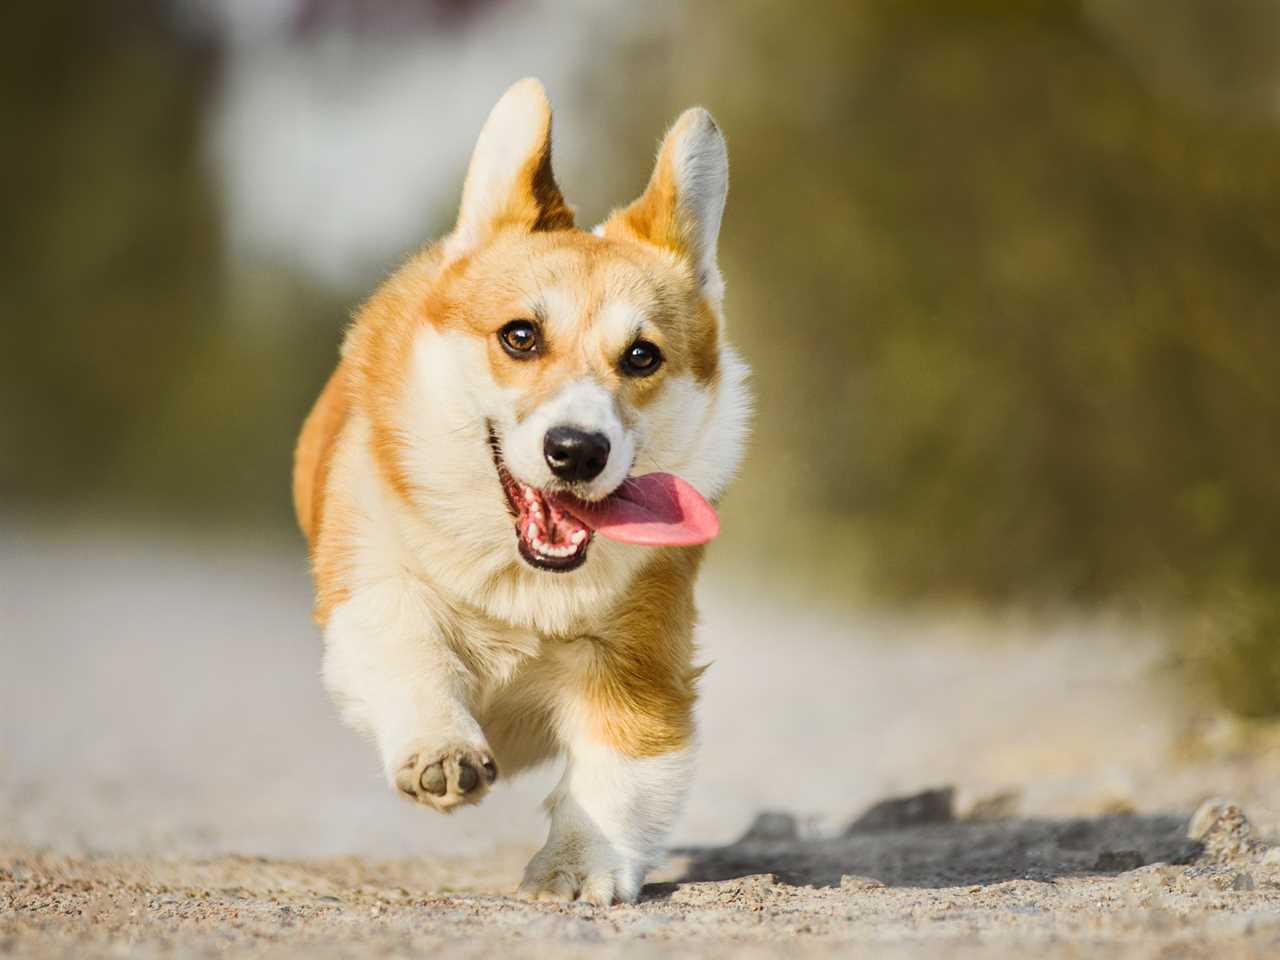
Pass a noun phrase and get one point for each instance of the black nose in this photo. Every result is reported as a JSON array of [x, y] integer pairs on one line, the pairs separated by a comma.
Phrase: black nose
[[574, 454]]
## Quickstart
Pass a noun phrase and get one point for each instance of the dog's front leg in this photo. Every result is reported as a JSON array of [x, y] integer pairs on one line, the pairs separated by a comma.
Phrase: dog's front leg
[[628, 732], [394, 676]]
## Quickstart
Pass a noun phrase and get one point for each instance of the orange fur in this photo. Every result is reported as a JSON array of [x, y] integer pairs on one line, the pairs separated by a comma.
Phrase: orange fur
[[655, 216], [658, 217], [327, 520], [639, 684], [314, 452]]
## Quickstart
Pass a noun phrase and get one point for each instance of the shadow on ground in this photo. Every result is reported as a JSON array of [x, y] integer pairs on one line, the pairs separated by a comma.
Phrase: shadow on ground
[[946, 854]]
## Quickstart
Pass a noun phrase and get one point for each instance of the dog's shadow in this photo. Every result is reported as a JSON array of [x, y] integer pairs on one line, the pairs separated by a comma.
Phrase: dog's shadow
[[943, 853]]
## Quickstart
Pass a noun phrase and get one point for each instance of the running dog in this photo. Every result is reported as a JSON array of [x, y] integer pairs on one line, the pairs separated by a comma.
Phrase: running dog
[[506, 485]]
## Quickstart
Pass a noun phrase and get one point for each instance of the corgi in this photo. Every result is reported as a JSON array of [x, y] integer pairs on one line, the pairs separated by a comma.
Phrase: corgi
[[506, 486]]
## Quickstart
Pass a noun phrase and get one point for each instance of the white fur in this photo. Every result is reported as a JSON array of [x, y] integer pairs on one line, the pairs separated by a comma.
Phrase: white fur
[[516, 128], [701, 163], [610, 817], [396, 678], [584, 404]]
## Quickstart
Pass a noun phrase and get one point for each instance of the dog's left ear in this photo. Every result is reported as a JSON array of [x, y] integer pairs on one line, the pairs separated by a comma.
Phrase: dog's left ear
[[509, 182], [680, 209]]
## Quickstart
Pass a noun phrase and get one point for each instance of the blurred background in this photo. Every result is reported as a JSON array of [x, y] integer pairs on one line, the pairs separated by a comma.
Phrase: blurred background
[[1006, 271]]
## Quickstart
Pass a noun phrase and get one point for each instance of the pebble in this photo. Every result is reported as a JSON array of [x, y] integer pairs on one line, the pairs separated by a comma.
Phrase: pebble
[[851, 881], [771, 827], [1224, 831], [1002, 805], [929, 806]]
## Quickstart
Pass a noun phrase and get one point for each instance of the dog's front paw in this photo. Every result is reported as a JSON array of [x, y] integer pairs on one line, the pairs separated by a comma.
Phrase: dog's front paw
[[578, 867], [445, 778]]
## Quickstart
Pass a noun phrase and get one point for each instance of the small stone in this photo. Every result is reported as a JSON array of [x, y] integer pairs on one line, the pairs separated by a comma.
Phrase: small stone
[[995, 806], [929, 806], [851, 881], [771, 826], [1243, 882], [1205, 818], [753, 883], [1223, 830]]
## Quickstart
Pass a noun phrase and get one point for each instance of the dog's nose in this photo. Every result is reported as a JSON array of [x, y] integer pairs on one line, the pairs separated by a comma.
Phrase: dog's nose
[[575, 455]]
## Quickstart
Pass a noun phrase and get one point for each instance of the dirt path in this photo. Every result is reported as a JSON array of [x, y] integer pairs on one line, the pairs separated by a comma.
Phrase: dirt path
[[146, 731], [1113, 886]]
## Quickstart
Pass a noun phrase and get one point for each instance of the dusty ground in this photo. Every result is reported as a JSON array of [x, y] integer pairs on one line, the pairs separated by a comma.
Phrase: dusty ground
[[172, 781], [1121, 885]]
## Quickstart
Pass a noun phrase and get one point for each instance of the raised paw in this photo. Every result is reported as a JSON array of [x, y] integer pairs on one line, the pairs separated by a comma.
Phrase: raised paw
[[447, 778]]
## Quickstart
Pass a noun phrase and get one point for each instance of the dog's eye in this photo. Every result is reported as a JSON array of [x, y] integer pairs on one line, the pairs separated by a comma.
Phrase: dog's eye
[[519, 338], [641, 359]]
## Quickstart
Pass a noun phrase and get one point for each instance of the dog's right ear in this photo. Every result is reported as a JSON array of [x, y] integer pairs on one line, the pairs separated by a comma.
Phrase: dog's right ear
[[509, 184]]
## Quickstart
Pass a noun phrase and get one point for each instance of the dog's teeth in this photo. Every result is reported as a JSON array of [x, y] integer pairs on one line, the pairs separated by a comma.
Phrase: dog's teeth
[[578, 537]]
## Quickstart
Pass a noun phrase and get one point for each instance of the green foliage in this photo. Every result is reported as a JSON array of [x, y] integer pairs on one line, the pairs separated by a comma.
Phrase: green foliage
[[1012, 308], [139, 371], [1237, 650]]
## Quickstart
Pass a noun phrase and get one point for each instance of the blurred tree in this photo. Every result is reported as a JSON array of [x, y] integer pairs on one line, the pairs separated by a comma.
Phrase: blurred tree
[[111, 246], [1013, 322], [135, 373]]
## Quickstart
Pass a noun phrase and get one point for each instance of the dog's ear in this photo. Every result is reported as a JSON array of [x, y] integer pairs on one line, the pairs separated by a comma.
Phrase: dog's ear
[[681, 207], [509, 182]]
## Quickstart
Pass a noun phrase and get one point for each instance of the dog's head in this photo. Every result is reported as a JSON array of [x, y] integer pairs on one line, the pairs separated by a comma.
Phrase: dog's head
[[521, 365]]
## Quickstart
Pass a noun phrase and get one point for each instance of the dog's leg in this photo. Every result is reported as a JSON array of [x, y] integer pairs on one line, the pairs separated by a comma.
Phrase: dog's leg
[[627, 725], [610, 816], [394, 676]]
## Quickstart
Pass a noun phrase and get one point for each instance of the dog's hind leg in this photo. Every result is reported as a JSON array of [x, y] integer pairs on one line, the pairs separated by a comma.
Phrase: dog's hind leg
[[625, 719], [610, 816]]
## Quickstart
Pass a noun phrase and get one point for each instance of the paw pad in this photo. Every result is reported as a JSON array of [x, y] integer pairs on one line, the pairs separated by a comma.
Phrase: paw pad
[[459, 775]]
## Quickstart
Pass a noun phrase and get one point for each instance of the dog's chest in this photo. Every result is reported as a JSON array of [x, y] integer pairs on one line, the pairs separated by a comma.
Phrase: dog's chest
[[494, 652], [514, 662]]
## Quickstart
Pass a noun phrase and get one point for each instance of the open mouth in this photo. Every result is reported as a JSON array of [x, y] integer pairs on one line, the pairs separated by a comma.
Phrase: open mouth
[[548, 537]]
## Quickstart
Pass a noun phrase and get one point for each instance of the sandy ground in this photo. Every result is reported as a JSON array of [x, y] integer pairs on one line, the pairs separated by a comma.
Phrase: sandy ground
[[172, 780]]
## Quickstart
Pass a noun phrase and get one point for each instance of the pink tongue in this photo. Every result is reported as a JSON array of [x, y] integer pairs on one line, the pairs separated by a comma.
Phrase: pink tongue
[[655, 510]]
